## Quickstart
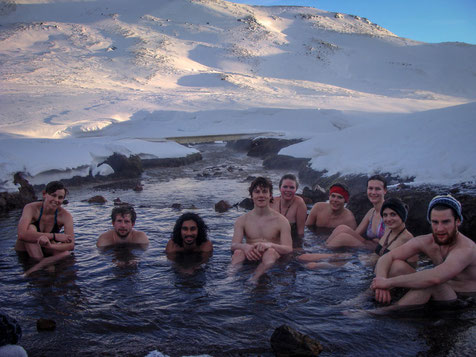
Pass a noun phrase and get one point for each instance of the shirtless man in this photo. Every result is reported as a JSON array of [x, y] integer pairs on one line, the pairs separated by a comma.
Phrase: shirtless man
[[452, 253], [267, 233], [334, 213], [123, 221], [39, 228], [190, 235]]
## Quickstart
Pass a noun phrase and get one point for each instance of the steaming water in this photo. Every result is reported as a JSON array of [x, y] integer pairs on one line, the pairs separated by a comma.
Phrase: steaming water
[[128, 302]]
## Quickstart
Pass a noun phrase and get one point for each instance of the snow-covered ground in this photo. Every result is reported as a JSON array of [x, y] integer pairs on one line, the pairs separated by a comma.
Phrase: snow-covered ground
[[81, 79]]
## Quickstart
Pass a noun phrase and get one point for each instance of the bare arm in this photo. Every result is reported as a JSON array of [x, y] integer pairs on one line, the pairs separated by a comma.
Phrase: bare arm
[[403, 252], [25, 234], [362, 227], [311, 219], [454, 264], [67, 238], [206, 247], [301, 215]]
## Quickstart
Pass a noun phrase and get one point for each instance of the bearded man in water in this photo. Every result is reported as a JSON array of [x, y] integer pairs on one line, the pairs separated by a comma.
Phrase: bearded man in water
[[452, 253]]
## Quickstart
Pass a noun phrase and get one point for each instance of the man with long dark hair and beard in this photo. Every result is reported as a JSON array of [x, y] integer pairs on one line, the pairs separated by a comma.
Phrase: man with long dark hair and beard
[[452, 253], [190, 234]]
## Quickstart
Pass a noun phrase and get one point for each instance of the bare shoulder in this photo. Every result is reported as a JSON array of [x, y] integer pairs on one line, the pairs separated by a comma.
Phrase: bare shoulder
[[206, 246], [140, 237], [299, 200], [105, 239], [171, 247]]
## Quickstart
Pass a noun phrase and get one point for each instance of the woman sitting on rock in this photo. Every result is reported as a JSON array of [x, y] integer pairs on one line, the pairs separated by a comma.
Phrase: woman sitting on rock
[[291, 206], [39, 228], [371, 228]]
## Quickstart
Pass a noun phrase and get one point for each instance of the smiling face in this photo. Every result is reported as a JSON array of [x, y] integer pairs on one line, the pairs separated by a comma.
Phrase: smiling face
[[55, 199], [261, 196], [376, 191], [444, 226], [189, 232], [123, 225], [288, 189], [391, 219], [336, 201]]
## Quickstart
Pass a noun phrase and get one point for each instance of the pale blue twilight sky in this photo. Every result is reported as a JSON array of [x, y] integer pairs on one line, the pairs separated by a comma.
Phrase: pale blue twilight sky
[[421, 20]]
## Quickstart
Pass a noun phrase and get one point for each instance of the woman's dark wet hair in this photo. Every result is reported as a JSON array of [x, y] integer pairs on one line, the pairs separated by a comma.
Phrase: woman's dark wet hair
[[123, 210], [289, 177], [202, 234], [261, 182], [54, 186], [378, 178]]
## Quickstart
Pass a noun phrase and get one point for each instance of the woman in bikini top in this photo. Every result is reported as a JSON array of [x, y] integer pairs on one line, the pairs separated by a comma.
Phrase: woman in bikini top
[[394, 213], [371, 228], [291, 206]]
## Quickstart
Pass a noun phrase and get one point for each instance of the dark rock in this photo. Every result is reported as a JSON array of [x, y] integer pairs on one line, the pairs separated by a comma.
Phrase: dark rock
[[264, 147], [314, 196], [15, 200], [96, 199], [172, 162], [138, 188], [249, 178], [307, 200], [222, 206], [240, 145], [247, 203], [286, 341], [45, 325], [124, 166], [285, 162], [176, 206]]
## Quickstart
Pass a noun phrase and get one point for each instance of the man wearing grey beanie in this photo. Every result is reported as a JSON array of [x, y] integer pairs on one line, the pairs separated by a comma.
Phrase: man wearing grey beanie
[[453, 255]]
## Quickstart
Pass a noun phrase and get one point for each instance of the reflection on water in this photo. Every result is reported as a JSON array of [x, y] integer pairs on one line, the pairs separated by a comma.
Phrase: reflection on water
[[129, 301]]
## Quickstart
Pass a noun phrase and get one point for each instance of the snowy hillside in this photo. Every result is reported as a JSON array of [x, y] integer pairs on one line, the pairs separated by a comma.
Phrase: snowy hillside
[[82, 79]]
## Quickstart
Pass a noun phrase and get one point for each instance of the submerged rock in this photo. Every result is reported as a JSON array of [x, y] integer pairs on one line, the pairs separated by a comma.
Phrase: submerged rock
[[45, 325], [286, 341]]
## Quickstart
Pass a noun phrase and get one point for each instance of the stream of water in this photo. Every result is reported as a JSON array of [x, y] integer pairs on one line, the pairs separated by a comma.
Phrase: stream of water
[[128, 302]]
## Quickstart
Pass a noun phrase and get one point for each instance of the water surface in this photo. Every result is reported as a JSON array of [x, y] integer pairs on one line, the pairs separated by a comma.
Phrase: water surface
[[128, 302]]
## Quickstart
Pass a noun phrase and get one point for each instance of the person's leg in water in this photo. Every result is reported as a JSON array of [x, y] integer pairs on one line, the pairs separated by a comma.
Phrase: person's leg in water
[[269, 258]]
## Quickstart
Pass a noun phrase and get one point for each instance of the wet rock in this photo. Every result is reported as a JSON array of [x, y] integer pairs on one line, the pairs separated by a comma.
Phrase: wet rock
[[247, 203], [139, 187], [96, 199], [45, 325], [172, 162], [277, 162], [124, 166], [286, 341], [15, 200], [176, 206], [316, 195], [222, 206], [118, 202]]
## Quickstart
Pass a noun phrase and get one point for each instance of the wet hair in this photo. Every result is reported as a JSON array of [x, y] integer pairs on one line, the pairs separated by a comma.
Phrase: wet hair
[[289, 177], [54, 186], [123, 210], [261, 182], [202, 234], [378, 178], [10, 330]]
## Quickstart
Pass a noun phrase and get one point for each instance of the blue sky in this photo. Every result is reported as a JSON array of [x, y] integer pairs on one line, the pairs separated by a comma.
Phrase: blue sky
[[421, 20]]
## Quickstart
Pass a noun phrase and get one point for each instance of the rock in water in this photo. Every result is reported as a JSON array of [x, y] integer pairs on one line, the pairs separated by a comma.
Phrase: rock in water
[[45, 325], [222, 206], [285, 342]]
